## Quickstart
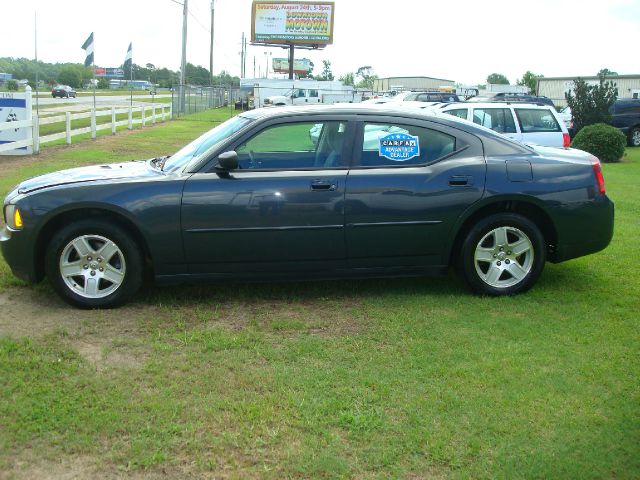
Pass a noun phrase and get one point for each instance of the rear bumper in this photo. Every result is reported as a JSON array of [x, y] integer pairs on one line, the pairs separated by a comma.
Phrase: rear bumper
[[583, 229], [17, 251]]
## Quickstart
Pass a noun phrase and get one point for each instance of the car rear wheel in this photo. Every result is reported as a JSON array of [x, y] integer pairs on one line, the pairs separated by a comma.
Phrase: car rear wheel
[[503, 254], [94, 264], [634, 137]]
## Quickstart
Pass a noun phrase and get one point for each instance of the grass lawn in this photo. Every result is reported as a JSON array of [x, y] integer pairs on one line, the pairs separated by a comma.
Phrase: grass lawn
[[406, 378]]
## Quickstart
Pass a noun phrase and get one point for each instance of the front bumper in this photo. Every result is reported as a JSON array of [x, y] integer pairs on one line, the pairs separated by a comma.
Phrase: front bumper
[[18, 253]]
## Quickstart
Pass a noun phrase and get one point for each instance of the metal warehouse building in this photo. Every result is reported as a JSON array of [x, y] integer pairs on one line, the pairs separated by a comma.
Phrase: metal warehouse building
[[410, 83], [555, 87]]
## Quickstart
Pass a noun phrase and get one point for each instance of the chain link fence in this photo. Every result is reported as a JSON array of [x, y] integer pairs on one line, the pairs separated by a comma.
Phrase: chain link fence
[[188, 101]]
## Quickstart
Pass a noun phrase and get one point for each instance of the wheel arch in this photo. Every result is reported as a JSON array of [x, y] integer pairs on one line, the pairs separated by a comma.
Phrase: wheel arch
[[61, 218], [524, 206]]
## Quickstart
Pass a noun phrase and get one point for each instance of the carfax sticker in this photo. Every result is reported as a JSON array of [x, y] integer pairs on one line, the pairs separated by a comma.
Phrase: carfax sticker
[[399, 147]]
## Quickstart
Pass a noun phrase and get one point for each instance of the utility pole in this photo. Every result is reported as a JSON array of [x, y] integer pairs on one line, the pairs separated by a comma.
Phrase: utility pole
[[242, 54], [254, 66], [183, 63], [244, 58], [211, 48]]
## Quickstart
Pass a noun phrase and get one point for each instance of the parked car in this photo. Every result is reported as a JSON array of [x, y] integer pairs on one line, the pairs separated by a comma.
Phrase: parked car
[[63, 91], [383, 192], [432, 97], [521, 122], [625, 115], [514, 97], [398, 97]]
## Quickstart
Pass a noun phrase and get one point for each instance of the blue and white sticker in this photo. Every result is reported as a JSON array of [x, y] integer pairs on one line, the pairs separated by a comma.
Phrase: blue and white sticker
[[399, 147]]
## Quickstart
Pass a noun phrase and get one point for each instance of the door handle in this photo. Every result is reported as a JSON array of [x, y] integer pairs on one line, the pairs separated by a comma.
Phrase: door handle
[[460, 181], [323, 186]]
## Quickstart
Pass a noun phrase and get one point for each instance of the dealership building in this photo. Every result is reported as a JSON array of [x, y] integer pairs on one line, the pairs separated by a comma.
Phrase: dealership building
[[555, 87], [410, 83]]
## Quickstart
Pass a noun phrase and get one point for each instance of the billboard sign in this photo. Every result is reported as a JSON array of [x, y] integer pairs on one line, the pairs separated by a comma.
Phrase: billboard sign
[[300, 65], [292, 23], [109, 72]]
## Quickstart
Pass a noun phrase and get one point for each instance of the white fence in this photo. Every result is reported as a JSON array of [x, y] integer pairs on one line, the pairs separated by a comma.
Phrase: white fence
[[148, 115]]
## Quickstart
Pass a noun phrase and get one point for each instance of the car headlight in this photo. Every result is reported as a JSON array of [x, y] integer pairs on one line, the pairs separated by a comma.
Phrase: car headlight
[[13, 217]]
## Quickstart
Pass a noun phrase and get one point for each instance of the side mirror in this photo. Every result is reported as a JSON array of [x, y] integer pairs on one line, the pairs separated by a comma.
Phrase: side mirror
[[228, 160]]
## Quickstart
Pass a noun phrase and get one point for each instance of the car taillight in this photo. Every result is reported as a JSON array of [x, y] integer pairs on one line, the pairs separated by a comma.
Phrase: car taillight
[[597, 171], [566, 140]]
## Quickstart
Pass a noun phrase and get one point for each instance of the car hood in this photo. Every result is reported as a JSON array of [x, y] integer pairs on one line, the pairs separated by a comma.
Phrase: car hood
[[107, 172]]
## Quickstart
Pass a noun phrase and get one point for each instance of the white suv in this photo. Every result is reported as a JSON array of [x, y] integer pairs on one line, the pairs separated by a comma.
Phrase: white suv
[[523, 122]]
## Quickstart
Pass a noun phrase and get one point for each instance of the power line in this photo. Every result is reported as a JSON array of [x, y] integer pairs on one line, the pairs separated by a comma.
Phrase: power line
[[198, 22]]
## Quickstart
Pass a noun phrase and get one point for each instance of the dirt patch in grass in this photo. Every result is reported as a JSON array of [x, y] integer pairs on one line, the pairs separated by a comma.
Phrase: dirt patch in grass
[[119, 338], [29, 466]]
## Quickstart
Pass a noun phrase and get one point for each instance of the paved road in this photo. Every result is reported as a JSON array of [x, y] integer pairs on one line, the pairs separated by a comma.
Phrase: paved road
[[101, 100]]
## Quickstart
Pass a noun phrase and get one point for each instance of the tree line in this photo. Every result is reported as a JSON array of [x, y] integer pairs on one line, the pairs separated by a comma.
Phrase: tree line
[[76, 75]]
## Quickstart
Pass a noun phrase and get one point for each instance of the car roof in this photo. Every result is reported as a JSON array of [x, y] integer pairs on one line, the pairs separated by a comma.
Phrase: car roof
[[374, 110], [528, 105]]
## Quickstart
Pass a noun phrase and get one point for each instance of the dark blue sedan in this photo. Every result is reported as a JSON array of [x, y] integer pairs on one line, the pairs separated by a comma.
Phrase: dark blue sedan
[[312, 192]]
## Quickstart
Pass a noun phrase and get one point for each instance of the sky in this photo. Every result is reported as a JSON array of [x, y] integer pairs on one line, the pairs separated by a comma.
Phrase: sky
[[464, 40]]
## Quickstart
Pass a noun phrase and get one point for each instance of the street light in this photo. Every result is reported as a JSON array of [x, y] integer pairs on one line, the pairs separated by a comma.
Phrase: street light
[[267, 57]]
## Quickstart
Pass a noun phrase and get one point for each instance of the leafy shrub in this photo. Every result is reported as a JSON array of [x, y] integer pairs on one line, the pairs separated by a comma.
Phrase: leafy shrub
[[602, 140], [103, 83], [12, 85], [590, 103]]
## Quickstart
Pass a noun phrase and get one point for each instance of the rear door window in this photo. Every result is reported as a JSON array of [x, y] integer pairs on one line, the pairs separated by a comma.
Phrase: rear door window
[[497, 119], [399, 145], [458, 112], [536, 120]]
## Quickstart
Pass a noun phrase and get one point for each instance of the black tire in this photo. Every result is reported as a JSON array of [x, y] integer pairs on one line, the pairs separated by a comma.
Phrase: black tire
[[634, 137], [126, 262], [488, 264]]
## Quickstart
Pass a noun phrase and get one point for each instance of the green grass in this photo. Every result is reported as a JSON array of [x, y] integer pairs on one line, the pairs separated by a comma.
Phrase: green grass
[[409, 378]]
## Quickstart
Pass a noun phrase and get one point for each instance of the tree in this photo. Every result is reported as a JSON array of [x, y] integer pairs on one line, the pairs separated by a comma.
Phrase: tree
[[347, 79], [366, 76], [590, 103], [497, 79], [12, 85], [326, 74], [70, 76], [103, 83], [530, 80], [606, 72]]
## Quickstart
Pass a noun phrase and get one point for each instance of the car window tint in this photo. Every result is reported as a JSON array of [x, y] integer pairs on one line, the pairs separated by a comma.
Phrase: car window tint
[[293, 146], [536, 120], [497, 119], [400, 145], [458, 112]]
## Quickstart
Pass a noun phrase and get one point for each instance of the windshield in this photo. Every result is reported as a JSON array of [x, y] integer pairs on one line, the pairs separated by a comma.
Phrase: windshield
[[204, 143]]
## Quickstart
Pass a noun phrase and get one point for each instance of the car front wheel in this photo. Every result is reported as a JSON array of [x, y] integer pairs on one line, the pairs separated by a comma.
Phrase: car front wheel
[[634, 137], [94, 264], [503, 254]]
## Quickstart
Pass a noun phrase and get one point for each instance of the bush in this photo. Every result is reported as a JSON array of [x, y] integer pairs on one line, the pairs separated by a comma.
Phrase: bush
[[590, 103], [602, 140], [12, 85], [103, 83]]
